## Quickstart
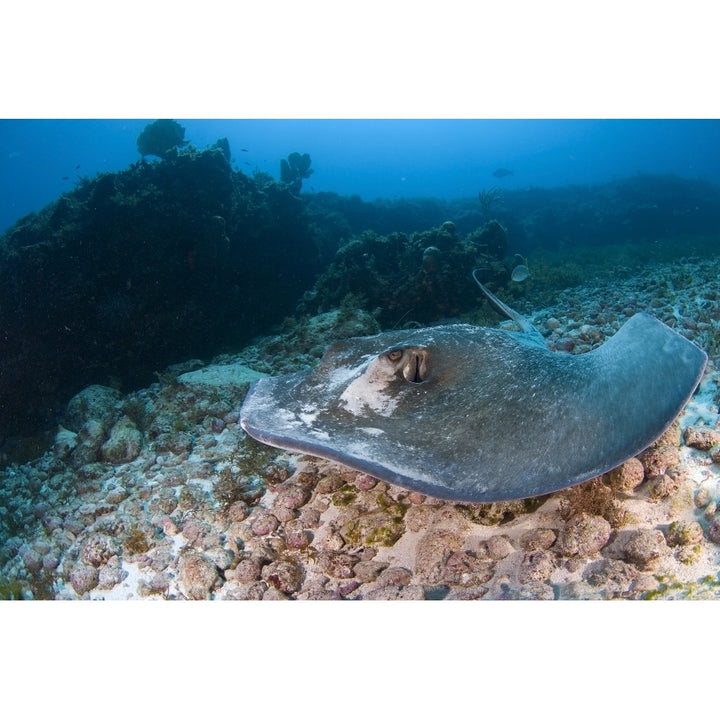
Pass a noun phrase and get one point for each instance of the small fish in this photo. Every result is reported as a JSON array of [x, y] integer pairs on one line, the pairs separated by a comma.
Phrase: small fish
[[502, 172], [243, 150], [520, 272]]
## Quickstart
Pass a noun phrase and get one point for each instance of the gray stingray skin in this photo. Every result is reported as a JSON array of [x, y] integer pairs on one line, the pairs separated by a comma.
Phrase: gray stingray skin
[[479, 414]]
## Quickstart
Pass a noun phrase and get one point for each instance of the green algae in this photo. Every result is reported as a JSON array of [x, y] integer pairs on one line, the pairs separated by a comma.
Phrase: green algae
[[136, 543], [376, 529], [344, 496], [15, 590], [670, 588], [39, 587], [396, 510], [382, 527]]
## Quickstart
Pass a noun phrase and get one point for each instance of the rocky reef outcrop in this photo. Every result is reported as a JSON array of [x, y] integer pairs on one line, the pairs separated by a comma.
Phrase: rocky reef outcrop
[[418, 278], [131, 271]]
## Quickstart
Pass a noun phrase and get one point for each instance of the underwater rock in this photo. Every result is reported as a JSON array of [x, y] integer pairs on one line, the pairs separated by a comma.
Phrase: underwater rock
[[272, 593], [221, 376], [583, 535], [332, 541], [252, 591], [705, 494], [499, 547], [419, 517], [310, 516], [445, 237], [665, 485], [684, 533], [90, 438], [475, 592], [658, 458], [177, 443], [396, 592], [198, 575], [247, 571], [466, 568], [296, 537], [169, 527], [83, 579], [193, 530], [116, 494], [337, 564], [536, 567], [263, 522], [285, 576], [64, 442], [644, 584], [32, 560], [222, 557], [95, 402], [132, 271], [627, 476], [238, 511], [368, 570], [702, 438], [645, 548], [394, 576], [615, 577], [433, 551], [374, 528], [292, 497], [50, 562], [124, 443], [537, 539], [111, 574], [159, 584], [97, 549], [713, 530]]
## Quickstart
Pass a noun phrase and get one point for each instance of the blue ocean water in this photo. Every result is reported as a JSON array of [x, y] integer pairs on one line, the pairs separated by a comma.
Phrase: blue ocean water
[[40, 159]]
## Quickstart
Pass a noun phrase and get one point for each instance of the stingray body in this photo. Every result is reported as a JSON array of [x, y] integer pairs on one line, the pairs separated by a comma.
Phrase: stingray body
[[479, 414]]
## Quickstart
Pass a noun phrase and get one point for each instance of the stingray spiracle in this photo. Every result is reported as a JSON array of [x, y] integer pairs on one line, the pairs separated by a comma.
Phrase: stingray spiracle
[[411, 361]]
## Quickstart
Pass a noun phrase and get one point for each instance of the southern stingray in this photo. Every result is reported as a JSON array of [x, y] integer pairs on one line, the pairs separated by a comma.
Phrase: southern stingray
[[480, 414]]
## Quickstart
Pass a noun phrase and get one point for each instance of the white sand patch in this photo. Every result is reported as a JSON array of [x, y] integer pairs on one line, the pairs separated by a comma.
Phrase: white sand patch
[[702, 408], [221, 376]]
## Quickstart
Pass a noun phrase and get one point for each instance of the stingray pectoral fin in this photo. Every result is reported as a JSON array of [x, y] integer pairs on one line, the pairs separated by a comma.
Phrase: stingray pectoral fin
[[642, 377]]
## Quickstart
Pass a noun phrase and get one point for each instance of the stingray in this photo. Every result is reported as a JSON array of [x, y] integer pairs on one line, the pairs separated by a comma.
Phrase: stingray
[[478, 414]]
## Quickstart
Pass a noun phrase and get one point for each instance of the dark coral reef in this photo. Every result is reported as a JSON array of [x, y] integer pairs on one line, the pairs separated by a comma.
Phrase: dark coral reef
[[417, 278], [134, 270]]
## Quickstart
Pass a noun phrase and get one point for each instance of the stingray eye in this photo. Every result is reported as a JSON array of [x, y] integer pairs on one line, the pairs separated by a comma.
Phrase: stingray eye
[[395, 355]]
